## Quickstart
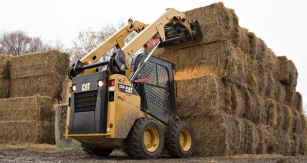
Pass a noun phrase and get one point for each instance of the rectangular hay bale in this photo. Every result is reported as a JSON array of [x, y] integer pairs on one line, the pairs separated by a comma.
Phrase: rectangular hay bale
[[218, 58], [27, 132], [223, 135], [60, 129], [41, 63], [44, 85], [200, 96], [34, 108]]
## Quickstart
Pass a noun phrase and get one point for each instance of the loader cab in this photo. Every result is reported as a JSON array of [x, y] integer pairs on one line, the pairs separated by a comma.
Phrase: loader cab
[[89, 102], [158, 95]]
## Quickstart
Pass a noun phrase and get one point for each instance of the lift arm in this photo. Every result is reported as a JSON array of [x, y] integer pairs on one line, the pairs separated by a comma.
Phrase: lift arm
[[125, 52], [171, 16]]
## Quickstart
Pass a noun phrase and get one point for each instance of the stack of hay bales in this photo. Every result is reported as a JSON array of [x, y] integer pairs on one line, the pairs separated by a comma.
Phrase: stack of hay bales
[[27, 116], [238, 96]]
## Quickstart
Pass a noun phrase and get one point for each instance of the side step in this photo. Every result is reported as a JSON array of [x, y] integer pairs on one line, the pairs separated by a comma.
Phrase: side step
[[177, 33]]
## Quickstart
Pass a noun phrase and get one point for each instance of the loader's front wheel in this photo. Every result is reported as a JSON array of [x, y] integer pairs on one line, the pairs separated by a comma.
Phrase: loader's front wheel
[[145, 139], [179, 140]]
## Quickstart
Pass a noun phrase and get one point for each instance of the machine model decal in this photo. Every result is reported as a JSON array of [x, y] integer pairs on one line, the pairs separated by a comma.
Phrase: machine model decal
[[126, 89], [86, 86], [111, 88]]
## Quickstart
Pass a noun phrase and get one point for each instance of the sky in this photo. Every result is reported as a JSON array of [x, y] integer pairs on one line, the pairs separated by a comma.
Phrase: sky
[[282, 24]]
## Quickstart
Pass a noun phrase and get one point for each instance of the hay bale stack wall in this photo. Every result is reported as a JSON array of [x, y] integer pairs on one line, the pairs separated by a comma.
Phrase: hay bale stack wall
[[33, 84], [234, 91]]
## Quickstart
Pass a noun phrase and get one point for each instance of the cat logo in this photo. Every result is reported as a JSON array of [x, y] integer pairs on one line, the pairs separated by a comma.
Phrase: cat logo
[[126, 89], [86, 86]]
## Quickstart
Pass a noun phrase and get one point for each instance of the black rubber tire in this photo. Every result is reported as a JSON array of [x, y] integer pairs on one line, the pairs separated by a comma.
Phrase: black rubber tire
[[136, 147], [99, 152], [172, 140]]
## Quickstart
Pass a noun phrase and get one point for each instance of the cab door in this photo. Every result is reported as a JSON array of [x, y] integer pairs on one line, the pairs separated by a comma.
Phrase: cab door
[[158, 95]]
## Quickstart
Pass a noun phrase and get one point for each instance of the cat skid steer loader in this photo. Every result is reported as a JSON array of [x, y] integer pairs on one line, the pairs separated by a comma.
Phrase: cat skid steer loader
[[131, 104]]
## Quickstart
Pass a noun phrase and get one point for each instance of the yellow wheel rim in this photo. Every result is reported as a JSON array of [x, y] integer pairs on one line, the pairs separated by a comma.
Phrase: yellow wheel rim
[[185, 140], [151, 138]]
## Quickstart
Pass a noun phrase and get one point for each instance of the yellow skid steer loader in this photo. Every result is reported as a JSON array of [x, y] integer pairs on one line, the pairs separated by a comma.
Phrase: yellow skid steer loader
[[131, 104]]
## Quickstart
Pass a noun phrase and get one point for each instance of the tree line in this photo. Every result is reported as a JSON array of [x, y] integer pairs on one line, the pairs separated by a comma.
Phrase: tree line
[[18, 42]]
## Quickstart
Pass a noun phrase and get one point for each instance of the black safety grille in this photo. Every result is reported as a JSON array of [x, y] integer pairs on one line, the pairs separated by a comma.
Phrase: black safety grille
[[158, 90], [85, 101]]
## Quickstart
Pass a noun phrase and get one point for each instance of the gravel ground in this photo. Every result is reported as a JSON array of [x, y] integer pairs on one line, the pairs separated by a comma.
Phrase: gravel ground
[[49, 153]]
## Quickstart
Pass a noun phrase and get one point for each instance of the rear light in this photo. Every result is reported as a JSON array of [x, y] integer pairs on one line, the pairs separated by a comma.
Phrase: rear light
[[70, 89], [111, 125], [67, 127], [112, 83]]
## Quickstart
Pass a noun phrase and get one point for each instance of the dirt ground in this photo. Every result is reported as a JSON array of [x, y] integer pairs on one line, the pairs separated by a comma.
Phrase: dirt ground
[[49, 153]]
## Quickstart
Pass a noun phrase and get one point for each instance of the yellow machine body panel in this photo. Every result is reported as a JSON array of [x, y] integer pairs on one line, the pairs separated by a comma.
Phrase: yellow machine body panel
[[121, 115], [125, 108]]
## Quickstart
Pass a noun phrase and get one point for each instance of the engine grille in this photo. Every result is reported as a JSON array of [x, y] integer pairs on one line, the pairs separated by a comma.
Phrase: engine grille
[[85, 101]]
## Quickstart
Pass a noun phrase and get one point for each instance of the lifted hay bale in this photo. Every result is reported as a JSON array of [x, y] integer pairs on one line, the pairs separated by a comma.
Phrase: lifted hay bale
[[60, 129], [27, 132], [35, 108], [42, 63], [217, 23]]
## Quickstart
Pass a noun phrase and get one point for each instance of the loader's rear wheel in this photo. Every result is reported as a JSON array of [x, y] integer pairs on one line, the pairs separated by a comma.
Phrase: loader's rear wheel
[[145, 139], [180, 139], [97, 151]]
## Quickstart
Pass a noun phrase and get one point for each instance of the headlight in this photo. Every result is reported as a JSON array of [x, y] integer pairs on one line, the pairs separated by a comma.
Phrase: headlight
[[100, 83], [74, 87]]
